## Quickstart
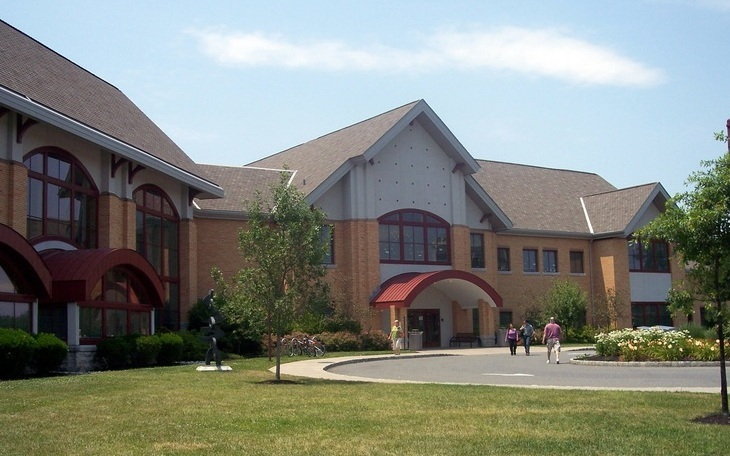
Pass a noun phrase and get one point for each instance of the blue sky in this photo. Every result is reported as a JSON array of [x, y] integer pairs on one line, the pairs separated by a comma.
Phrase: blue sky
[[630, 90]]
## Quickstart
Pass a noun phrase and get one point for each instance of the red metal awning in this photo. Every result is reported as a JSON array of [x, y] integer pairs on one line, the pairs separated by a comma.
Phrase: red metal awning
[[401, 290], [32, 272], [76, 272]]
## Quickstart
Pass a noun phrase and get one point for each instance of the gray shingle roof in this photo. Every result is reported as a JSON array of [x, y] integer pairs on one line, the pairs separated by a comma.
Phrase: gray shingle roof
[[240, 185], [613, 211], [32, 70], [540, 199], [315, 160]]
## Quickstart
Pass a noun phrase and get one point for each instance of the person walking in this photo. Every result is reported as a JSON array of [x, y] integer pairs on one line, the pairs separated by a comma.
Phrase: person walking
[[552, 334], [396, 337], [527, 330], [511, 339]]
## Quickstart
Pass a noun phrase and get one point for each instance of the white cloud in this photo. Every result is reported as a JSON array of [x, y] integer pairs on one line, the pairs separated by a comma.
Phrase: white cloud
[[540, 52]]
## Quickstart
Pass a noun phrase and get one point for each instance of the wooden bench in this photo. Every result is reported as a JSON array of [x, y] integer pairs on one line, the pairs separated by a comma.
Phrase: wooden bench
[[460, 338]]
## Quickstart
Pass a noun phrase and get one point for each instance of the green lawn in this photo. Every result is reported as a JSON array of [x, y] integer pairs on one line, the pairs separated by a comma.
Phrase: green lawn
[[177, 410]]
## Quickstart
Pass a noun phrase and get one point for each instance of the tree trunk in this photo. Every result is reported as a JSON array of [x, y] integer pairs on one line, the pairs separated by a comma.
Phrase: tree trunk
[[721, 339], [723, 371]]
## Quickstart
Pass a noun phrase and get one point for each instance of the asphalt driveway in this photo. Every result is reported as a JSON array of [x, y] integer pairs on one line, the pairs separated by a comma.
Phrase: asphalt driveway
[[495, 366]]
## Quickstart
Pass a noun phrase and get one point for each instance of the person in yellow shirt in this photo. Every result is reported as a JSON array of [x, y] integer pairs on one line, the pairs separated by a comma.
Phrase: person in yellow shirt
[[396, 337]]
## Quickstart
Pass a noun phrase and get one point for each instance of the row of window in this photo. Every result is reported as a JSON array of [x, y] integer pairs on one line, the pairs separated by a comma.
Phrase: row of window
[[531, 262], [642, 314], [414, 236]]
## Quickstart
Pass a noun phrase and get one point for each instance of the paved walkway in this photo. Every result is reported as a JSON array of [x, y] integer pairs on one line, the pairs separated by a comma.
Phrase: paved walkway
[[495, 366]]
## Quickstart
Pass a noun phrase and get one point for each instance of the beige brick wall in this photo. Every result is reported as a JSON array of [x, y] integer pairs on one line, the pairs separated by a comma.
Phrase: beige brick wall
[[460, 248], [117, 222], [611, 272], [217, 246], [13, 191], [521, 291], [356, 273]]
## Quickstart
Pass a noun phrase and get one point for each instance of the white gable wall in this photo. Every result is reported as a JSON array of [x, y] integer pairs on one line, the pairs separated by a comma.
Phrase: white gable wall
[[649, 214], [410, 172], [474, 215]]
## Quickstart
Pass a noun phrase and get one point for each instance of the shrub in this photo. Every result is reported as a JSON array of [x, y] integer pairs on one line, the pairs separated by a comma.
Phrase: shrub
[[114, 353], [199, 316], [146, 349], [584, 334], [16, 352], [340, 341], [171, 349], [49, 354], [193, 347], [333, 325], [374, 340]]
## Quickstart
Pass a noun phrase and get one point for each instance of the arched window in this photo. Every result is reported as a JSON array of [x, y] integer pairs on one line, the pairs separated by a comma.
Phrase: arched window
[[414, 236], [117, 308], [62, 198], [15, 307], [158, 241]]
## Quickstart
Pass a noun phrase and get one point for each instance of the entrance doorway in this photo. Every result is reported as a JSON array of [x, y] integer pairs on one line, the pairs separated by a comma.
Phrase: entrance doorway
[[428, 321]]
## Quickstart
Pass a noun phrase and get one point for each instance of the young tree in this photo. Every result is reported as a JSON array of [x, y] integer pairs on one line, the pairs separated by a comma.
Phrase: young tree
[[608, 309], [283, 251], [697, 224], [567, 303]]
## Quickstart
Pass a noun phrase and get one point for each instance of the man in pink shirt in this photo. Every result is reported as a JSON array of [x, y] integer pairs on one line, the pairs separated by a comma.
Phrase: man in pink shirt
[[552, 334]]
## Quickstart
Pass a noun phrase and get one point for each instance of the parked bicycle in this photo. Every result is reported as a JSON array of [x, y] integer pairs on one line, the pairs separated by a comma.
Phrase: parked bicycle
[[315, 347], [310, 346], [296, 347]]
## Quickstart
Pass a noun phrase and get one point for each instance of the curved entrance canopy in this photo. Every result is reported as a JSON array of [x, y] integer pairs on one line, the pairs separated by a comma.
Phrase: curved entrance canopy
[[76, 272], [32, 274], [461, 286]]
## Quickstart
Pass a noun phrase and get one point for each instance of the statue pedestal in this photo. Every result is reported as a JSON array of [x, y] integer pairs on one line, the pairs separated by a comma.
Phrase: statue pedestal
[[214, 369]]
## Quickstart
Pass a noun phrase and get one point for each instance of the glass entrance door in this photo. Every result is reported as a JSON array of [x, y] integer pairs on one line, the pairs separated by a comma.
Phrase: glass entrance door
[[428, 321]]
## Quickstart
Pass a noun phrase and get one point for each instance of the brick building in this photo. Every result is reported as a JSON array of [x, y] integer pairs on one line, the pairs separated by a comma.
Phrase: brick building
[[107, 227]]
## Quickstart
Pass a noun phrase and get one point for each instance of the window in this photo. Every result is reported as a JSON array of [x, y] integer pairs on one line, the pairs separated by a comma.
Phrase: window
[[505, 318], [158, 240], [118, 306], [651, 256], [550, 261], [15, 308], [327, 238], [529, 260], [503, 264], [477, 250], [576, 263], [62, 199], [413, 236], [650, 314], [475, 321]]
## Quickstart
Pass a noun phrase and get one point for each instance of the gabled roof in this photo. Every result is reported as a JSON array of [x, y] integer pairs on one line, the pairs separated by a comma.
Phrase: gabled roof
[[241, 184], [540, 199], [39, 83], [322, 162], [619, 211]]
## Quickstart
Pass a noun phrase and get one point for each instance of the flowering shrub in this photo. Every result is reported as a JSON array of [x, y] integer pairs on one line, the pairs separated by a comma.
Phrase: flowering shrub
[[657, 345]]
